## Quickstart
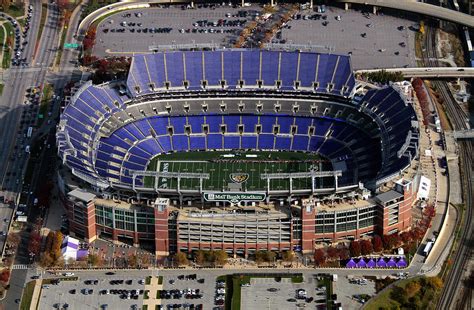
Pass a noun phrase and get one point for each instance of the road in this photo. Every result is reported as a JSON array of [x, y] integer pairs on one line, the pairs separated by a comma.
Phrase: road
[[417, 7], [429, 72], [13, 158]]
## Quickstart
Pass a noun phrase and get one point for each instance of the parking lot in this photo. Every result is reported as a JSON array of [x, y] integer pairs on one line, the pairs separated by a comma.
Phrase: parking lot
[[267, 293], [348, 288], [135, 31], [373, 40], [72, 293], [205, 283]]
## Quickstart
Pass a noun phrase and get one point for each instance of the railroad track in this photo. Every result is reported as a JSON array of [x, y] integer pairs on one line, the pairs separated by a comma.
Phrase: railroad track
[[459, 119]]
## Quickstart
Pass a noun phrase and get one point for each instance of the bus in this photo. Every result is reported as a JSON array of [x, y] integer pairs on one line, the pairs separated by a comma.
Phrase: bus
[[427, 248]]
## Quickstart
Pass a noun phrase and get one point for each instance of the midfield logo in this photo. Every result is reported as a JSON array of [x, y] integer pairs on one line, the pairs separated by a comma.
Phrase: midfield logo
[[239, 177]]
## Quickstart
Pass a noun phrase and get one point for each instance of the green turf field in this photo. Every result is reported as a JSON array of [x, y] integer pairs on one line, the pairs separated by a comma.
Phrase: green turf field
[[225, 171]]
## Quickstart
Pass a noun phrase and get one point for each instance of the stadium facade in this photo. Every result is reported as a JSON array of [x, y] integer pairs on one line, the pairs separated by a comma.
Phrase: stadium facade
[[238, 150]]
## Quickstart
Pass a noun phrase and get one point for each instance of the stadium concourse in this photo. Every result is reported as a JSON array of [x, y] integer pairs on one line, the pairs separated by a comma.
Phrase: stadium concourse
[[277, 149]]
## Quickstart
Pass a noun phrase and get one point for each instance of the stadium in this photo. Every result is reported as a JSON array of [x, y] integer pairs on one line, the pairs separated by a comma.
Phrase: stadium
[[238, 150]]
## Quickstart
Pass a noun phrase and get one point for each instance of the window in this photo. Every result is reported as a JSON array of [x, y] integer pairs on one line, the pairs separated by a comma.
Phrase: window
[[204, 84], [205, 129], [259, 83], [167, 84], [223, 83], [278, 83], [223, 128], [241, 83], [170, 130], [297, 84], [311, 130], [186, 84], [241, 128], [258, 128]]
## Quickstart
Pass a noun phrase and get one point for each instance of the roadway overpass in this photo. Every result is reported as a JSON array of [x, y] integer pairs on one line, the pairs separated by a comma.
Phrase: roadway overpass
[[464, 134], [420, 8], [427, 72]]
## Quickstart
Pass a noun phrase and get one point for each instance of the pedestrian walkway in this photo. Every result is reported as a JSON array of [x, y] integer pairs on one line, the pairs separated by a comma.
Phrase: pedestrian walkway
[[153, 289], [18, 267], [36, 294]]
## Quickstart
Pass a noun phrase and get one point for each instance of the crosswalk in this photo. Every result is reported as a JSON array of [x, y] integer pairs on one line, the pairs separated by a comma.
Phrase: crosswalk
[[17, 267]]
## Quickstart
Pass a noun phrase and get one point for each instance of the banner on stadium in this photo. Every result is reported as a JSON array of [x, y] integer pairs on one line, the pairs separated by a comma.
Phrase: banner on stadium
[[234, 197]]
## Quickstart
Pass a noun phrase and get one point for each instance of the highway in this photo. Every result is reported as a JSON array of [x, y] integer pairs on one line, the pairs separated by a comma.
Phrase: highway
[[430, 72], [453, 283], [419, 7]]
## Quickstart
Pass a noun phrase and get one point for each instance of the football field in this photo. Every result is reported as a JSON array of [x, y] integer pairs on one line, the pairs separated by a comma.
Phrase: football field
[[235, 171]]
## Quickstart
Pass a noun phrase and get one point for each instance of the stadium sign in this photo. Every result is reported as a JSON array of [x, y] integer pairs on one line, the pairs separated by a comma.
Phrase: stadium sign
[[234, 197]]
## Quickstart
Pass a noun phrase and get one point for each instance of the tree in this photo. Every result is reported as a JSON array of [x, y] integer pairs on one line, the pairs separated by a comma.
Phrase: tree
[[288, 256], [436, 282], [260, 257], [56, 248], [5, 275], [13, 240], [366, 247], [354, 248], [220, 257], [332, 252], [181, 259], [377, 243], [5, 4], [46, 260], [319, 257], [270, 256], [200, 257], [412, 288], [93, 259], [342, 252], [49, 241]]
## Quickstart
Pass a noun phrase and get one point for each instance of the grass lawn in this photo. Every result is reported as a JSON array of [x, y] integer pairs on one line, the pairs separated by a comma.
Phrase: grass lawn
[[45, 101], [7, 50], [44, 13], [16, 10], [148, 280], [160, 280], [27, 295], [383, 299], [61, 47], [49, 281]]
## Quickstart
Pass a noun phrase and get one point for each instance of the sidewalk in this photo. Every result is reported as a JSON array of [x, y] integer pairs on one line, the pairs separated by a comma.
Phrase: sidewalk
[[152, 289], [36, 295]]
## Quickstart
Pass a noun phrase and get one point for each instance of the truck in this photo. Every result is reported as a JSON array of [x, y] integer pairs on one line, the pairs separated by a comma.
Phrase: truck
[[427, 248]]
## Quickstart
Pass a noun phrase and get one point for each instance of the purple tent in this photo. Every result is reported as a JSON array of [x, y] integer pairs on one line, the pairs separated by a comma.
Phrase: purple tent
[[351, 264], [381, 263], [361, 263], [82, 253], [401, 263], [391, 263], [371, 263]]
